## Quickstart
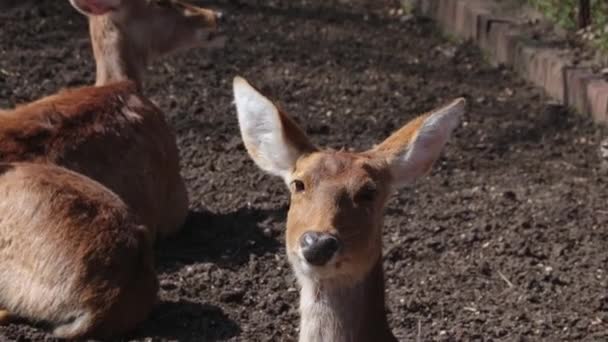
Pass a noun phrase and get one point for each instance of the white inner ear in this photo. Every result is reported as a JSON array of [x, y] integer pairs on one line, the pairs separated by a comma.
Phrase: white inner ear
[[426, 146], [262, 131]]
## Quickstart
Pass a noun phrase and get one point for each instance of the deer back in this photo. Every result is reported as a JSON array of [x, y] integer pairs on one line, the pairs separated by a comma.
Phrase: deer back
[[111, 134]]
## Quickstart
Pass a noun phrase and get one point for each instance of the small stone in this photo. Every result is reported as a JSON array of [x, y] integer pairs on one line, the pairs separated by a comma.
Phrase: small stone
[[267, 232], [406, 18], [510, 195]]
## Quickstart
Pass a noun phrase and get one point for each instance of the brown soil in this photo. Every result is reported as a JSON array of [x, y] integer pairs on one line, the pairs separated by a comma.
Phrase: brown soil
[[505, 240]]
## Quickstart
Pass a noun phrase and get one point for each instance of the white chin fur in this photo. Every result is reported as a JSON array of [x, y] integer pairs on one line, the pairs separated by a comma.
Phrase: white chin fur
[[304, 269]]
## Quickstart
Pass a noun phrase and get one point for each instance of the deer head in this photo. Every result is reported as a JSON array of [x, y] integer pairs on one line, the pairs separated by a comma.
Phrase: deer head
[[337, 198], [127, 34]]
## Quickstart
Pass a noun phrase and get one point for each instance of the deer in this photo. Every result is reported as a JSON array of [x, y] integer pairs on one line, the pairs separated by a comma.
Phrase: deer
[[127, 34], [111, 132], [73, 256], [337, 199]]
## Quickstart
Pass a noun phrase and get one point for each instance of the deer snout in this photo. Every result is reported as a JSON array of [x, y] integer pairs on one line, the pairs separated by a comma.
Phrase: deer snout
[[318, 248]]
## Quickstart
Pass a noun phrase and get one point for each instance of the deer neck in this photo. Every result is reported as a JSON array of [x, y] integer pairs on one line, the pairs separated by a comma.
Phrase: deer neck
[[116, 57], [354, 313]]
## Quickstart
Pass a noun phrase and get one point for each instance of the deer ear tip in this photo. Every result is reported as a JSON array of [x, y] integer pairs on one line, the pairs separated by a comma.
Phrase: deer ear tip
[[242, 88], [461, 101], [458, 106], [451, 113], [238, 80]]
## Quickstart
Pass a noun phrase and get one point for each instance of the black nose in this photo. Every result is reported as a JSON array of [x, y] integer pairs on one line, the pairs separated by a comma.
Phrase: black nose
[[318, 248]]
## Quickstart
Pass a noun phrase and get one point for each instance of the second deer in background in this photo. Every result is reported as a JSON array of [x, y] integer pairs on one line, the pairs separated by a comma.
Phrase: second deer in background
[[72, 254], [127, 35]]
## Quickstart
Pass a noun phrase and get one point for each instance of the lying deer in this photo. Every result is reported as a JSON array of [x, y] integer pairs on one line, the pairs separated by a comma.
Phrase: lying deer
[[334, 223], [127, 34], [112, 133], [72, 255]]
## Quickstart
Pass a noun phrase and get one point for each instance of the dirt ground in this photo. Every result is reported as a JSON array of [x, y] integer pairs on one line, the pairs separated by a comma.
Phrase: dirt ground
[[506, 240]]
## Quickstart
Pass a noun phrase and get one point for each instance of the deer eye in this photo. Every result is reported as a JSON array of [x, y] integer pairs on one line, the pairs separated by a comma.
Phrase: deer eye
[[297, 186], [366, 194]]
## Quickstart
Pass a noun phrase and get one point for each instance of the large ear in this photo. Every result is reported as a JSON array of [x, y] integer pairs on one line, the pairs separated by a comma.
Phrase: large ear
[[95, 7], [273, 140], [412, 150]]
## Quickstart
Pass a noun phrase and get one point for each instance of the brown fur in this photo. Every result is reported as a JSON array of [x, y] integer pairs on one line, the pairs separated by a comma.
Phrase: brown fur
[[72, 255], [111, 134]]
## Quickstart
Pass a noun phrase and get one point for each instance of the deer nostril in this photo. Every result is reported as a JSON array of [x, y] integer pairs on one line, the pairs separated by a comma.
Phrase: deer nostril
[[318, 248]]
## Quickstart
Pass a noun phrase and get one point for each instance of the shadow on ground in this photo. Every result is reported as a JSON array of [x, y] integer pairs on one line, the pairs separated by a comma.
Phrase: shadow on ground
[[188, 321], [226, 240]]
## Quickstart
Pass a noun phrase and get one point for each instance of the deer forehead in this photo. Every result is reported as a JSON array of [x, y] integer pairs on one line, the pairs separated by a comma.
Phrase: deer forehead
[[339, 169]]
